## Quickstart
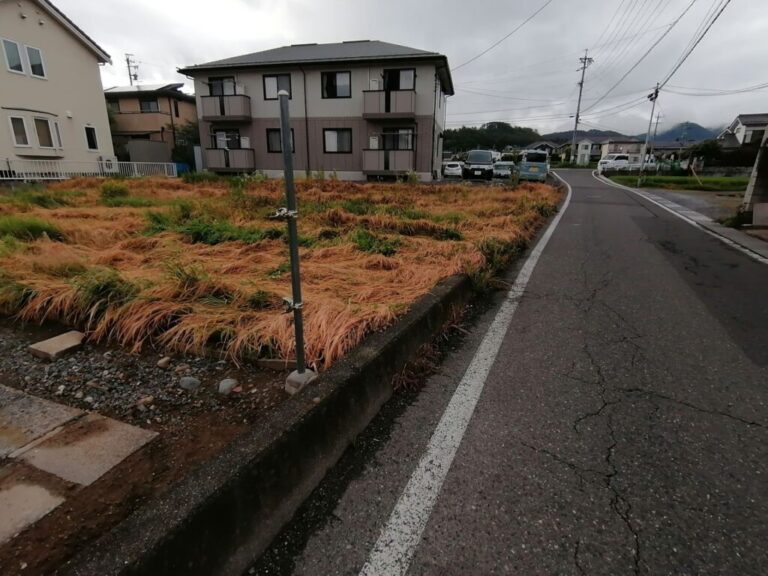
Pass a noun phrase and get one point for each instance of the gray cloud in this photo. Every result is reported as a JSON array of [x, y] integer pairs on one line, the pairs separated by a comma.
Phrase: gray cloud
[[530, 79]]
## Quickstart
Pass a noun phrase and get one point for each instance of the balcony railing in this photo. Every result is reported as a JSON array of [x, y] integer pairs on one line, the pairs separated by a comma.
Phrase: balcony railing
[[236, 107], [386, 161], [233, 160], [389, 103]]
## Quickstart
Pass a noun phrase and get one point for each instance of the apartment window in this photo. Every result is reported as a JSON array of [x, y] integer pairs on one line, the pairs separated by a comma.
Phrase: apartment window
[[44, 134], [337, 140], [397, 139], [337, 84], [229, 138], [35, 58], [400, 79], [274, 143], [113, 105], [176, 108], [223, 86], [148, 105], [273, 83], [13, 56], [19, 130], [90, 138]]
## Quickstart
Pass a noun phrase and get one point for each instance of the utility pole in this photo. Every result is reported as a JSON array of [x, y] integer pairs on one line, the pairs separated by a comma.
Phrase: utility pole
[[133, 68], [653, 96], [655, 131], [585, 62]]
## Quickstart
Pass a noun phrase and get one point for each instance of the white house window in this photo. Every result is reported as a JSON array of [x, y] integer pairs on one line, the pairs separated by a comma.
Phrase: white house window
[[274, 141], [57, 134], [337, 84], [36, 66], [337, 140], [273, 83], [90, 137], [19, 130], [13, 56], [44, 134]]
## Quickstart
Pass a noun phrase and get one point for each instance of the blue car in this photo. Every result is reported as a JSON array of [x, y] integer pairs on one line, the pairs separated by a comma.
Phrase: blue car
[[534, 165]]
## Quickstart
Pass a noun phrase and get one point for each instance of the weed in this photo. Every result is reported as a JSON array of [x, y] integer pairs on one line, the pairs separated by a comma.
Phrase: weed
[[279, 270], [28, 228], [214, 232], [128, 202], [368, 242], [112, 190], [263, 300], [8, 245], [411, 177], [738, 220], [200, 177], [454, 218], [406, 213], [99, 289], [13, 294], [498, 253], [359, 206], [185, 276], [37, 195], [60, 268], [319, 175]]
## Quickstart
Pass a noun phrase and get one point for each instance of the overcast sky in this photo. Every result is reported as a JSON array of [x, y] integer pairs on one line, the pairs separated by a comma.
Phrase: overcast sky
[[529, 79]]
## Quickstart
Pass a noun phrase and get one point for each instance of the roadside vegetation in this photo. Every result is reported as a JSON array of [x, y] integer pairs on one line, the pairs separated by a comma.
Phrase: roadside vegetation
[[708, 183], [185, 265]]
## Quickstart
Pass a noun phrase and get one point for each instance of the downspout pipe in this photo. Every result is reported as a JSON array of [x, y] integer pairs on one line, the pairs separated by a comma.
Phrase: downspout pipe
[[306, 120]]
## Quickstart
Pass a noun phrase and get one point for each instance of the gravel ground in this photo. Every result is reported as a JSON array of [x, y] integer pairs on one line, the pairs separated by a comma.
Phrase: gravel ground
[[132, 387]]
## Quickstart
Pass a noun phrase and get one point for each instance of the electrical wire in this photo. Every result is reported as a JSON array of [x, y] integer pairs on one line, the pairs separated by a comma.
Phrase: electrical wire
[[492, 46]]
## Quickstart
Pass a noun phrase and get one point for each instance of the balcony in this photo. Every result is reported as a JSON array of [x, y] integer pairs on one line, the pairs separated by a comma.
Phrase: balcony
[[383, 162], [384, 104], [234, 160], [232, 107]]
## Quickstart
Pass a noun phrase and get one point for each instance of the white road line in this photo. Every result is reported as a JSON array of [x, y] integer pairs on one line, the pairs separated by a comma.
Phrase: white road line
[[393, 551], [693, 218]]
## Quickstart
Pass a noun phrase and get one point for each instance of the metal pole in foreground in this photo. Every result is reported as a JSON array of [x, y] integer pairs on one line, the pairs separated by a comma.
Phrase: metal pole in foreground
[[300, 377]]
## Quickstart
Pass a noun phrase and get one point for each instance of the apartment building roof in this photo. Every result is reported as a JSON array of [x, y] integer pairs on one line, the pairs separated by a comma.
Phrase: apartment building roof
[[351, 51], [173, 89]]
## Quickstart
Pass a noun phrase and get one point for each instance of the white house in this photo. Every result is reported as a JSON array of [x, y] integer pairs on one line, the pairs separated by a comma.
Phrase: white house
[[745, 129]]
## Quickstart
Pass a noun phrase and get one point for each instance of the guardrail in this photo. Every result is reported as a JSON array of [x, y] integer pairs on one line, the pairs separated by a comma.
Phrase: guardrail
[[63, 169]]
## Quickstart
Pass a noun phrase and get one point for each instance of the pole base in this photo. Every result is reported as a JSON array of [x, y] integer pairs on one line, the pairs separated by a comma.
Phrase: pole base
[[296, 382]]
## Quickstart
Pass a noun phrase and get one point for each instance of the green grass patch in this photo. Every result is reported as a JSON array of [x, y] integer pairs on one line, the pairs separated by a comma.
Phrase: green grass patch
[[8, 245], [37, 195], [200, 230], [373, 243], [200, 177], [454, 218], [263, 300], [13, 294], [407, 213], [28, 228], [708, 183], [111, 190], [101, 288], [129, 202], [359, 206], [279, 270]]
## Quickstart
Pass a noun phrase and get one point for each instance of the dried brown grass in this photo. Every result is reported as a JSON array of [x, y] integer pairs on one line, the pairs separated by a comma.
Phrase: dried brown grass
[[348, 293]]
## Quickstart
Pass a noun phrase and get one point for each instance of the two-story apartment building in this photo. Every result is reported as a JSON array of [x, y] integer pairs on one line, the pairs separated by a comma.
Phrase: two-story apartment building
[[633, 148], [145, 119], [51, 98], [363, 109]]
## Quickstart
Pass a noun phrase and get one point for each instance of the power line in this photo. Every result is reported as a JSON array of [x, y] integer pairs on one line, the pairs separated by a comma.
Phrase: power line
[[492, 46], [636, 64], [695, 44], [688, 91]]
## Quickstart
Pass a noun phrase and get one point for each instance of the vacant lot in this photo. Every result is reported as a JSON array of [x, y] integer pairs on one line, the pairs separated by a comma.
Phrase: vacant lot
[[708, 183], [182, 266]]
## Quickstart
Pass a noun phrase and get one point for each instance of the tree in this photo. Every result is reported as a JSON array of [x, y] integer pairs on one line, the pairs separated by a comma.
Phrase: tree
[[187, 137], [495, 135]]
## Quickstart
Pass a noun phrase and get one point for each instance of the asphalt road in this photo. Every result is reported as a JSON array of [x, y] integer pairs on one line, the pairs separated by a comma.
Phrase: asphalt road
[[621, 429]]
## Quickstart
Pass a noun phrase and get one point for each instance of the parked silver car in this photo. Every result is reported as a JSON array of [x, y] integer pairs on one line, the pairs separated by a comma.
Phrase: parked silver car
[[504, 169], [452, 169]]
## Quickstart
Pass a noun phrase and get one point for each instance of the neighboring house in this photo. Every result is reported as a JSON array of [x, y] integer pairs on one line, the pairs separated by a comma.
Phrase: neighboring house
[[145, 119], [51, 98], [587, 151], [671, 149], [633, 148], [745, 129], [544, 146], [363, 109]]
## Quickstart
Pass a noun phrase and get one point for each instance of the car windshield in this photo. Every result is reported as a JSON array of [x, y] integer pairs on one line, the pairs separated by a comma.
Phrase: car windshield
[[479, 157], [536, 157]]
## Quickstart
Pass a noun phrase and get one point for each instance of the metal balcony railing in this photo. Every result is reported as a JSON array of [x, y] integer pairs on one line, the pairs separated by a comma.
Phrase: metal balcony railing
[[389, 103]]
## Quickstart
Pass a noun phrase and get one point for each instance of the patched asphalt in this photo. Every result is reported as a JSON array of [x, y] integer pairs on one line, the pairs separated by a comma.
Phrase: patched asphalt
[[622, 429]]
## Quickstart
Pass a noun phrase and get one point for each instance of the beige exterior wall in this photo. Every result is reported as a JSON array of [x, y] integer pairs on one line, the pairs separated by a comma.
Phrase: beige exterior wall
[[130, 118], [71, 94], [429, 121]]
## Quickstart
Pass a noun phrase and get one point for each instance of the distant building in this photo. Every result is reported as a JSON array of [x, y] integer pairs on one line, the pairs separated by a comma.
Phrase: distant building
[[587, 151], [145, 119], [633, 148], [745, 129], [543, 145], [51, 100], [363, 109]]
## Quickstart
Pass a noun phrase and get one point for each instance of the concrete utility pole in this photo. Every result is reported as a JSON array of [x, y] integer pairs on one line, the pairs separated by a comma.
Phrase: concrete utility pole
[[133, 68], [300, 377], [757, 190], [653, 96], [655, 131], [585, 62]]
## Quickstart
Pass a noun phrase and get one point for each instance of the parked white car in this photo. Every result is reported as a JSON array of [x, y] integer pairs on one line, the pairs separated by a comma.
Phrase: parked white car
[[624, 162], [452, 169]]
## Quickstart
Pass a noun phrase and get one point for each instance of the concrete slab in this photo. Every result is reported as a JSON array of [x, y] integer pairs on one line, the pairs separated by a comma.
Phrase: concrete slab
[[81, 452], [760, 214], [54, 347], [23, 504], [24, 418]]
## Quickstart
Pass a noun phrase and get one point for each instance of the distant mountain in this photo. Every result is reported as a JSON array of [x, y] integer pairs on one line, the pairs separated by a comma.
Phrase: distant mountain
[[593, 134], [685, 131]]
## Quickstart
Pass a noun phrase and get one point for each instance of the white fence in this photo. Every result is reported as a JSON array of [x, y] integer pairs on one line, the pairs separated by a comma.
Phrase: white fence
[[62, 169]]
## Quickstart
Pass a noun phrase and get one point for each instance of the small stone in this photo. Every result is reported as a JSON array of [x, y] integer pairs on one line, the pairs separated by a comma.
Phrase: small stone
[[88, 399], [189, 383], [316, 399], [164, 362], [78, 394], [60, 390], [227, 385], [145, 400], [182, 368]]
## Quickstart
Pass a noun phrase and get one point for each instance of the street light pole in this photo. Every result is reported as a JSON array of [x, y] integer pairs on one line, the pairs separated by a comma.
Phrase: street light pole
[[300, 377]]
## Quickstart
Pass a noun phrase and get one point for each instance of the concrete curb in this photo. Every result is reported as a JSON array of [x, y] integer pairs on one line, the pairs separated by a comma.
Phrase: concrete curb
[[753, 247], [223, 515]]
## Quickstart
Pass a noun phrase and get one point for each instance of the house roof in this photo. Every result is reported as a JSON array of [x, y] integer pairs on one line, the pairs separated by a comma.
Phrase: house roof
[[75, 30], [549, 143], [350, 51], [753, 119], [173, 89]]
